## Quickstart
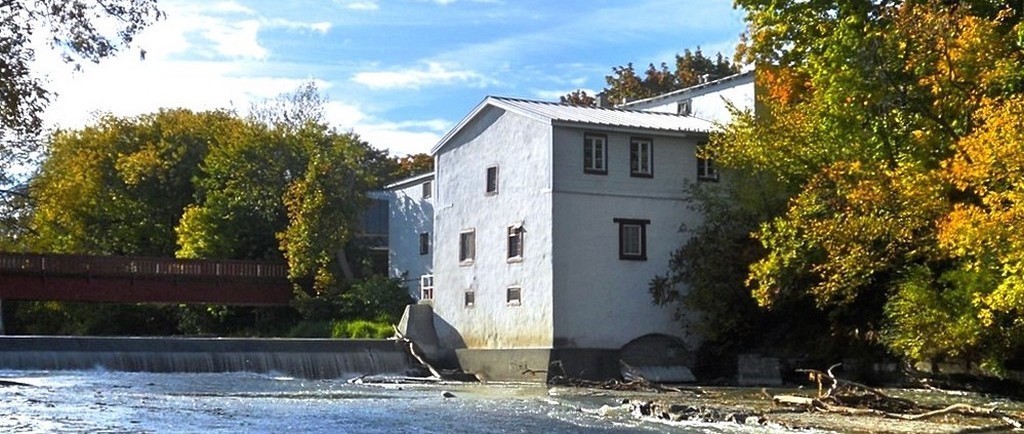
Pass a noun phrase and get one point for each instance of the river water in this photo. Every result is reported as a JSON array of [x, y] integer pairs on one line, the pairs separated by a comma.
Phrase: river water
[[116, 402]]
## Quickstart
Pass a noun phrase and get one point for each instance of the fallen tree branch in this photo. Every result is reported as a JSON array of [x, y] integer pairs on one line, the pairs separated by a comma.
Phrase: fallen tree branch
[[412, 350], [878, 403]]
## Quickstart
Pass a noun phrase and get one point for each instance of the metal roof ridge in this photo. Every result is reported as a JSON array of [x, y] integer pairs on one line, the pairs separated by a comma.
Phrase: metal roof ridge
[[690, 88]]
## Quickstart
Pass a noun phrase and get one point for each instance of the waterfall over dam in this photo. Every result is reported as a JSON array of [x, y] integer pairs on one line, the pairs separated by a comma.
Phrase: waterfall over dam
[[301, 358]]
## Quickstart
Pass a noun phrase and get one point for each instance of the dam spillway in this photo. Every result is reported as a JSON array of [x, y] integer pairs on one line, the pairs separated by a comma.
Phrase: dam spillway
[[301, 358]]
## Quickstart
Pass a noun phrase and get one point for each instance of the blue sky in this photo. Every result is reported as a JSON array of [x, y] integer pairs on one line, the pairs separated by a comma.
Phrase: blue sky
[[398, 72]]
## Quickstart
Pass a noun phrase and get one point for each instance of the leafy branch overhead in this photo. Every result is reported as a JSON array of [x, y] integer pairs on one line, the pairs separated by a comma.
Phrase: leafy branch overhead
[[82, 31]]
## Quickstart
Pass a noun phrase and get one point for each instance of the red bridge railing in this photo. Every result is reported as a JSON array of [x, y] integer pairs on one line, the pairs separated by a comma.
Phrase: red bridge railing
[[134, 279], [52, 264]]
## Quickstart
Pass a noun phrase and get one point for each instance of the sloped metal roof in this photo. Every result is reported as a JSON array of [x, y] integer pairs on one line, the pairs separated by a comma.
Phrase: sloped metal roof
[[604, 116], [559, 113]]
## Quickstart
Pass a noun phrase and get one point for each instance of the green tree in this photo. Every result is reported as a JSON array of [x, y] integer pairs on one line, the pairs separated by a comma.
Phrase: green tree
[[323, 207], [691, 68], [238, 206], [412, 165], [119, 187], [578, 97]]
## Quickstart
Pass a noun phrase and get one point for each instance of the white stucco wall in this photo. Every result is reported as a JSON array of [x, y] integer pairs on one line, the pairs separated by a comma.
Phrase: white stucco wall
[[520, 147], [409, 215], [601, 301]]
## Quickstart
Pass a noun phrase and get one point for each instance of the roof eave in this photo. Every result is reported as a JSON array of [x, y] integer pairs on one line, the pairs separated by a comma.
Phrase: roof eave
[[631, 128], [412, 180]]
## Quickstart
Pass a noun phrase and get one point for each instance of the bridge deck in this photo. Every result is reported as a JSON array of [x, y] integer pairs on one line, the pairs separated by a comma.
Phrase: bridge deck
[[126, 279]]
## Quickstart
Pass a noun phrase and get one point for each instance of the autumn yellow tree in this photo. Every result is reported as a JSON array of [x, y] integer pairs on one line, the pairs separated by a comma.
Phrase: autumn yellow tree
[[868, 113]]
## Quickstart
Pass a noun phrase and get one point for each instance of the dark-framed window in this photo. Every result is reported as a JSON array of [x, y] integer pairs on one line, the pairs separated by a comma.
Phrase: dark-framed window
[[684, 107], [469, 299], [515, 243], [595, 154], [492, 180], [467, 246], [428, 189], [641, 157], [632, 239], [514, 296], [424, 243]]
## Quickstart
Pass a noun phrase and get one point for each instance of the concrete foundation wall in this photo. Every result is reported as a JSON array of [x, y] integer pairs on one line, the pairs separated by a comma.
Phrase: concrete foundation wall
[[540, 365]]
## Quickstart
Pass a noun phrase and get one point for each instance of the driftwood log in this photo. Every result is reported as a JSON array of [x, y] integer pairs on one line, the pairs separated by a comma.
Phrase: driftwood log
[[412, 350], [851, 398]]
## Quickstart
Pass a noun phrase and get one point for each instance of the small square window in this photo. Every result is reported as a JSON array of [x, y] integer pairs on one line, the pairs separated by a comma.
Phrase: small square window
[[641, 158], [514, 296], [515, 242], [595, 154], [470, 299], [632, 239], [428, 189], [684, 107], [425, 243], [492, 180], [467, 247], [706, 170]]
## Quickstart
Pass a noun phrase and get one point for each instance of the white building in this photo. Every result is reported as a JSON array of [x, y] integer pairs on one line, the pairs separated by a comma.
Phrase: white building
[[549, 221], [410, 232], [709, 101]]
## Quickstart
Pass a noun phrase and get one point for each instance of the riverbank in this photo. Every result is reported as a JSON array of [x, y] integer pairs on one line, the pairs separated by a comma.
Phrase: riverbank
[[756, 407]]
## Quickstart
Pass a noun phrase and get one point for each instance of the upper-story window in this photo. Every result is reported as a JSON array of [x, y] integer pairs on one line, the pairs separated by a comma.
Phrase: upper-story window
[[428, 189], [632, 239], [467, 247], [706, 170], [595, 154], [515, 243], [424, 243], [641, 157], [492, 180], [684, 107]]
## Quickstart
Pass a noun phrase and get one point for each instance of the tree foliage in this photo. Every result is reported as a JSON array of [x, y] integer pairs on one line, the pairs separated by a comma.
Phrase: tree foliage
[[280, 185], [626, 84], [893, 125], [82, 31], [119, 187]]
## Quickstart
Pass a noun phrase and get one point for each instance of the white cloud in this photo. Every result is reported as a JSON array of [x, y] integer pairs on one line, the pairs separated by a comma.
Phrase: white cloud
[[435, 73], [237, 40], [360, 5], [320, 27], [398, 138], [553, 95], [230, 7]]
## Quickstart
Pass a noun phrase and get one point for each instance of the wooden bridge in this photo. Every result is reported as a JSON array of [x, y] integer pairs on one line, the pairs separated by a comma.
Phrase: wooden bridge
[[126, 279]]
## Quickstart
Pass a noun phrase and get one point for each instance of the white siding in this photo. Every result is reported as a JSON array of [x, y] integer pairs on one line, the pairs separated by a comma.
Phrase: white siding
[[520, 147], [409, 215], [601, 301]]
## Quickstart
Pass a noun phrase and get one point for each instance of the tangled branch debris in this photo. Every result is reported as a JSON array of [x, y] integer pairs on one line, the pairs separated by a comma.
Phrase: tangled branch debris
[[850, 398], [632, 381]]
